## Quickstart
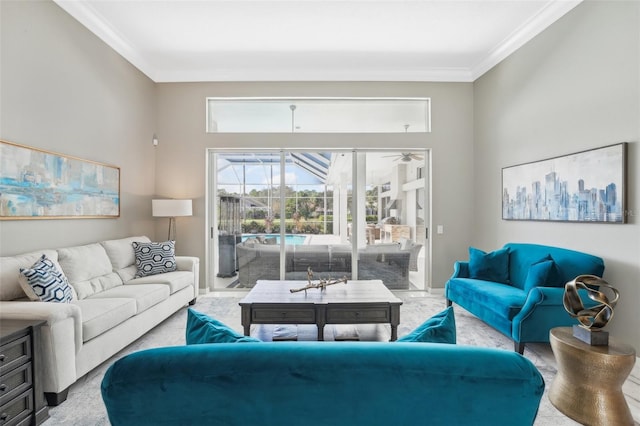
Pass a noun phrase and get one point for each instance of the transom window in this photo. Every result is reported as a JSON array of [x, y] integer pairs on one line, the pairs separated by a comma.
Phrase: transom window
[[318, 115]]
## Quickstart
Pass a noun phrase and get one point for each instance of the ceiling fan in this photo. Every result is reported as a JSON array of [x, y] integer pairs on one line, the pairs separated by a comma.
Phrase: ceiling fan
[[406, 156]]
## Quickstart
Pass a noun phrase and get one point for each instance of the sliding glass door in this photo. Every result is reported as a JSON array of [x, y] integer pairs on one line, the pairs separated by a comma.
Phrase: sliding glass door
[[296, 214]]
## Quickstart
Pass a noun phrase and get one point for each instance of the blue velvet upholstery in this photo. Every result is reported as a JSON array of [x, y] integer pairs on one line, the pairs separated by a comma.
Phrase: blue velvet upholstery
[[322, 383], [492, 266], [538, 273], [440, 328], [531, 304], [202, 328]]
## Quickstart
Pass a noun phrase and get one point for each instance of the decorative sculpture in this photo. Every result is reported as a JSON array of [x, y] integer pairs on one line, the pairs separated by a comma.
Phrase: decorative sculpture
[[592, 319], [321, 284]]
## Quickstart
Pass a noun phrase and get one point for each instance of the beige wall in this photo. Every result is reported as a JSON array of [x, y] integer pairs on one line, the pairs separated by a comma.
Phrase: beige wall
[[181, 158], [64, 90], [572, 88]]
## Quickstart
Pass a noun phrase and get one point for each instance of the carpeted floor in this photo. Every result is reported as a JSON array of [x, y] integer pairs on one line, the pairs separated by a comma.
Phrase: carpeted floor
[[84, 405]]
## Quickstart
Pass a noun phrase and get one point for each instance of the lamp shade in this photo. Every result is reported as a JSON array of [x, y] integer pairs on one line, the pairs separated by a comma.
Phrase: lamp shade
[[171, 208]]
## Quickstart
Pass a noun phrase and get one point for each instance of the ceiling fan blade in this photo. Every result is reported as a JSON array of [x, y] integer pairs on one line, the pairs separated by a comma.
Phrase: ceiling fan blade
[[416, 157]]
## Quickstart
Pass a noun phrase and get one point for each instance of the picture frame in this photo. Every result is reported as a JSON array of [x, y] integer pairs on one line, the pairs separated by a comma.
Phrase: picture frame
[[40, 184], [586, 187]]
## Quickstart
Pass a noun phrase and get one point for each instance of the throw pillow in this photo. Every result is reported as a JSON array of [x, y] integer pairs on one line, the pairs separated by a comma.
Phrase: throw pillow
[[154, 258], [440, 328], [202, 328], [493, 266], [543, 272], [44, 282]]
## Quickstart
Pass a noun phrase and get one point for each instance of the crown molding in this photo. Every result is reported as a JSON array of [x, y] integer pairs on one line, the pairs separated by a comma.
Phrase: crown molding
[[553, 11], [92, 20], [314, 74], [87, 16]]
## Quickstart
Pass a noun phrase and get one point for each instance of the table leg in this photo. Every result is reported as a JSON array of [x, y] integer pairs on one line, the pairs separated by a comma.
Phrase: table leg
[[394, 333], [246, 320], [321, 320], [395, 321]]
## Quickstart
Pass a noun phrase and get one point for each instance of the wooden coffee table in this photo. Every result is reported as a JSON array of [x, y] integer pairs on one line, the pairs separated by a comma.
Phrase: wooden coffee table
[[356, 302]]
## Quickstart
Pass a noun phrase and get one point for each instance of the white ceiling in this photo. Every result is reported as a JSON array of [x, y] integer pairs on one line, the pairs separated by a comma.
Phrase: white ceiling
[[316, 40]]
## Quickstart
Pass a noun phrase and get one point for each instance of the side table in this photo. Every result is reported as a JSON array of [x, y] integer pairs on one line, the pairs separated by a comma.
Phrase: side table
[[588, 386], [21, 398]]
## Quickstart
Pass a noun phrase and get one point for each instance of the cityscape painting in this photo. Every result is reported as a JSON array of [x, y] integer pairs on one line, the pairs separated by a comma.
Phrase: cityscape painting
[[587, 186], [38, 184]]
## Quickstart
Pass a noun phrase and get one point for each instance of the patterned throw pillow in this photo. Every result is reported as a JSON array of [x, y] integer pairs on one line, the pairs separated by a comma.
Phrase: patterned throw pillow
[[45, 282], [154, 258]]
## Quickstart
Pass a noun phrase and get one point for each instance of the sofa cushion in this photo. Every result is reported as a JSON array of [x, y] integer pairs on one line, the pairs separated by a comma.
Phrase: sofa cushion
[[128, 273], [493, 266], [45, 282], [478, 295], [176, 280], [440, 328], [88, 269], [100, 315], [121, 252], [154, 258], [10, 288], [145, 295], [202, 328]]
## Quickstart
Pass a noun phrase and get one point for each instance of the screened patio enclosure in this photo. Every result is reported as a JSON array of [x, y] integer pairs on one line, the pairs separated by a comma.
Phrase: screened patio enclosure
[[280, 214]]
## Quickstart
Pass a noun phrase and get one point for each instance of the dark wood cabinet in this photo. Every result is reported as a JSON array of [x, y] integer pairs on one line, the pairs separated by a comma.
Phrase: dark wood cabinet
[[21, 397]]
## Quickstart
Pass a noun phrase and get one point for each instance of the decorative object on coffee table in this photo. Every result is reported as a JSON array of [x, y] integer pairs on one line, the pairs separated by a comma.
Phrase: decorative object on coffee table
[[321, 284], [592, 319]]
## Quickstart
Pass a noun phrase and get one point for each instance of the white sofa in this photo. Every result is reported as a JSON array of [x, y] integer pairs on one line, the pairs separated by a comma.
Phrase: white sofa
[[110, 309]]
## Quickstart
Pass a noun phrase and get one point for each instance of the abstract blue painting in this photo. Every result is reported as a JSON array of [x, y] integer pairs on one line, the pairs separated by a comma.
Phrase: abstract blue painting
[[587, 186], [38, 184]]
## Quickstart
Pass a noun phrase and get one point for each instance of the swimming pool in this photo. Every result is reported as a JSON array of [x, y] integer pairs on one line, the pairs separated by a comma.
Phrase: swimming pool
[[291, 239]]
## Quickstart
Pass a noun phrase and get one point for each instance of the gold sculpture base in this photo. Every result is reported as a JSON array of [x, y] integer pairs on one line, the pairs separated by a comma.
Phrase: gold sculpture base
[[591, 337], [588, 386]]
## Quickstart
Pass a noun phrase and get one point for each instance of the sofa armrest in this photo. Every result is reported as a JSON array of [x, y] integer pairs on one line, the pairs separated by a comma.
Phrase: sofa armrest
[[52, 313], [187, 263], [460, 269], [60, 338], [542, 311], [190, 263]]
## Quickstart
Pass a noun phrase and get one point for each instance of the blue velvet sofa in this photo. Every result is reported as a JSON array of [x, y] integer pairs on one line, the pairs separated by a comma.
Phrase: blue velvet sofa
[[523, 301], [322, 383]]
